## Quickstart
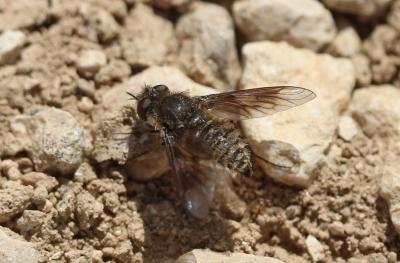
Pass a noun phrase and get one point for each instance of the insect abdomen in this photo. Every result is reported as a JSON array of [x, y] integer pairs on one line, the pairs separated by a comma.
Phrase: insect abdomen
[[227, 146]]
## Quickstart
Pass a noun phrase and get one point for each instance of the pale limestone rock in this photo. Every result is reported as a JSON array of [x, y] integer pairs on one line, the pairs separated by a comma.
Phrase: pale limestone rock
[[15, 250], [23, 14], [361, 8], [303, 23], [90, 61], [147, 39], [315, 248], [346, 44], [377, 110], [57, 140], [206, 256], [207, 49], [11, 43], [310, 127], [88, 210], [347, 128]]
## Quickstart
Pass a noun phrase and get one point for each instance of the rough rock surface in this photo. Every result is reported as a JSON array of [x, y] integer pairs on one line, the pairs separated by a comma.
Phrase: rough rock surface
[[11, 43], [57, 140], [15, 15], [16, 251], [147, 39], [14, 201], [347, 43], [377, 110], [310, 128], [303, 23], [361, 8], [203, 256], [207, 49]]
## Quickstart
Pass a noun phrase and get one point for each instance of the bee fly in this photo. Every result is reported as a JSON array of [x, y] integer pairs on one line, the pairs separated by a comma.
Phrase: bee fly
[[200, 128]]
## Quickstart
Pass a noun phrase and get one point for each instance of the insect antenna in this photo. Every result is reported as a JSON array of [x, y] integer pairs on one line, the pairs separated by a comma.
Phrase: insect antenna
[[133, 96]]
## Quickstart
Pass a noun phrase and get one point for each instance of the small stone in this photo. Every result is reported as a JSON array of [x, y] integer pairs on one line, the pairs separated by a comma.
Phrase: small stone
[[347, 128], [85, 105], [23, 14], [85, 173], [207, 48], [390, 190], [337, 229], [116, 70], [40, 196], [101, 25], [303, 23], [377, 110], [362, 70], [30, 220], [57, 141], [362, 8], [10, 169], [147, 39], [11, 43], [315, 248], [346, 44], [309, 128], [88, 210], [39, 179], [90, 61], [14, 201], [16, 251], [205, 256]]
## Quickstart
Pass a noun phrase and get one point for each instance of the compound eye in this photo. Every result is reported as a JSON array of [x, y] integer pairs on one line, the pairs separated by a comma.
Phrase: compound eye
[[160, 88], [142, 108]]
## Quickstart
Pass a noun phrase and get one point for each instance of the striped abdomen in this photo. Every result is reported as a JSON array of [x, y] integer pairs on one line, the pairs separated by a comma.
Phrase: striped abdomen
[[227, 146]]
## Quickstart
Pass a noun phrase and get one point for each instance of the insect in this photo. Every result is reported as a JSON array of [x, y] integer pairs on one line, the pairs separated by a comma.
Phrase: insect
[[196, 129]]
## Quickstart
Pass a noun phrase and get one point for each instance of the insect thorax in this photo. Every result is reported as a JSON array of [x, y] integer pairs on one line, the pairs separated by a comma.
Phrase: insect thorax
[[179, 111]]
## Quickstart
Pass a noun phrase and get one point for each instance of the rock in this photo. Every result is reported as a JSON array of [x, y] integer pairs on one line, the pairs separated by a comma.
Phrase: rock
[[230, 204], [347, 128], [315, 248], [362, 70], [85, 173], [147, 39], [116, 116], [88, 210], [390, 189], [205, 256], [10, 169], [57, 141], [16, 251], [14, 14], [101, 25], [116, 70], [303, 23], [39, 179], [346, 44], [30, 220], [14, 201], [207, 48], [90, 61], [362, 8], [11, 43], [377, 110], [310, 127]]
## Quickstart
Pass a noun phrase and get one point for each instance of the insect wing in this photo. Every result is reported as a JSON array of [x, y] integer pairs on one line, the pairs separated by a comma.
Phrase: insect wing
[[195, 177], [254, 103]]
